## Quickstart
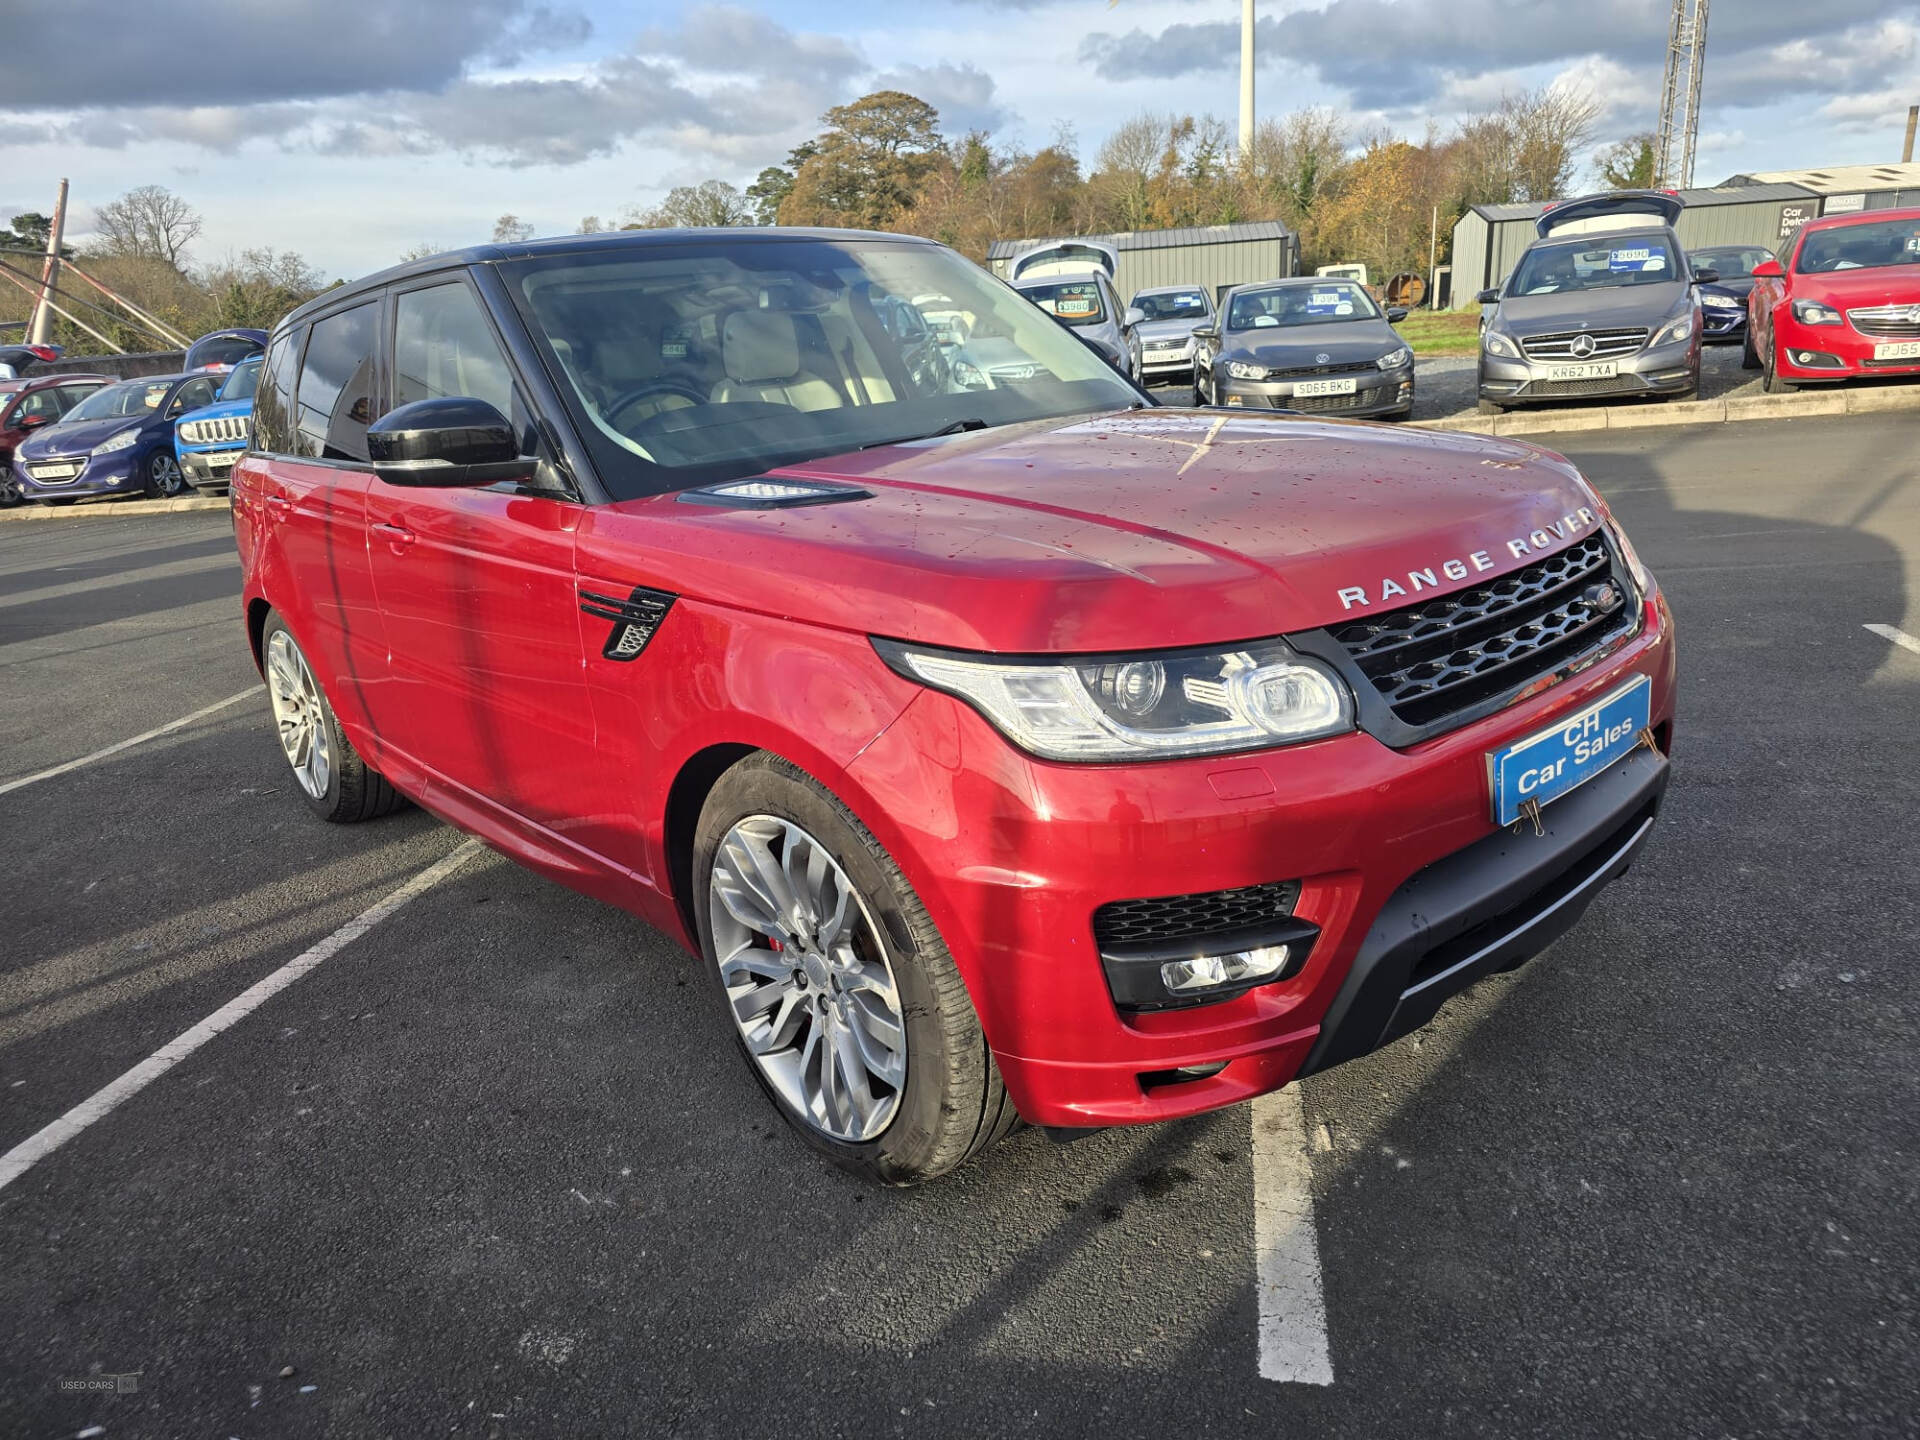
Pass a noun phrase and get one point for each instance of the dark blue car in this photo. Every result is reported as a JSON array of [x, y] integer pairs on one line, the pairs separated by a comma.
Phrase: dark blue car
[[118, 440]]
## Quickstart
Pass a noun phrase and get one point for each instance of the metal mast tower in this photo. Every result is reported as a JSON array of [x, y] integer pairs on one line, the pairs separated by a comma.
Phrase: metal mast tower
[[1680, 94]]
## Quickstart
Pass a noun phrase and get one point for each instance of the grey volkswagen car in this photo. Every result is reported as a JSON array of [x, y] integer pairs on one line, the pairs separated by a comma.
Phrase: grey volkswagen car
[[1312, 345], [1603, 303], [1173, 313], [1072, 280]]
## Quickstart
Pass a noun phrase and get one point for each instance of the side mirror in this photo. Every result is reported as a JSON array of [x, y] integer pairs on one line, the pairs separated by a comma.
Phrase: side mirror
[[1768, 270], [1206, 332], [1135, 316], [1488, 297], [1705, 277], [33, 422], [448, 442], [1396, 315]]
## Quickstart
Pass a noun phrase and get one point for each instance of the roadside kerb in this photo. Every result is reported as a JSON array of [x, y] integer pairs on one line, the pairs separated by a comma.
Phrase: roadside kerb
[[1686, 412]]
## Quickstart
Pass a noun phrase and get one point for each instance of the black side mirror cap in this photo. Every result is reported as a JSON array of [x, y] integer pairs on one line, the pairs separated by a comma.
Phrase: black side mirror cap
[[1488, 297], [1705, 277], [1396, 315], [452, 441]]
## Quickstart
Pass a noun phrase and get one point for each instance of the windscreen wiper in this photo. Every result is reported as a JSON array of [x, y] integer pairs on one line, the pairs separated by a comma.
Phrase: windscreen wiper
[[971, 422]]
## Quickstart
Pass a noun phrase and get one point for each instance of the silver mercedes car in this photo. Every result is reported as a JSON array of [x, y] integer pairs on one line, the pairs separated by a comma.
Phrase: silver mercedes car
[[1603, 304]]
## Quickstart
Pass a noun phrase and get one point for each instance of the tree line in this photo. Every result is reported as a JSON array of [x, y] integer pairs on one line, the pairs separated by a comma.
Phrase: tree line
[[142, 247], [883, 163]]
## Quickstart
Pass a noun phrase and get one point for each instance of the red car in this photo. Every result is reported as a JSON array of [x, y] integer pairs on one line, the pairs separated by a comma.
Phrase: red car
[[1841, 301], [28, 405], [1006, 746]]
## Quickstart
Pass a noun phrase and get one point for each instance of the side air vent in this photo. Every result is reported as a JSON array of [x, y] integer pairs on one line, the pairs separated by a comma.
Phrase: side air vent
[[634, 619], [772, 494]]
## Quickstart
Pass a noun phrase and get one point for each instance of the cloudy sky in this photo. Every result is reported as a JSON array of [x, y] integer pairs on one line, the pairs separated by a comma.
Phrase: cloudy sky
[[349, 134]]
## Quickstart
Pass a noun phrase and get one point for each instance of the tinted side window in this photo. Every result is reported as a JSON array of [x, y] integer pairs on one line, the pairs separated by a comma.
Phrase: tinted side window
[[335, 395], [443, 345], [68, 396], [273, 404], [191, 396], [38, 402]]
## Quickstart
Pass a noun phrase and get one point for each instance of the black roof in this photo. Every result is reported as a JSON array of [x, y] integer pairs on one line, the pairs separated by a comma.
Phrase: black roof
[[493, 254]]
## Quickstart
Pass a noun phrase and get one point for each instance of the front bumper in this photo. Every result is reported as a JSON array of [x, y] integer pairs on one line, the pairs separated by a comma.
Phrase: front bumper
[[209, 469], [1723, 327], [1376, 392], [112, 474], [1671, 369], [1412, 887], [1808, 353]]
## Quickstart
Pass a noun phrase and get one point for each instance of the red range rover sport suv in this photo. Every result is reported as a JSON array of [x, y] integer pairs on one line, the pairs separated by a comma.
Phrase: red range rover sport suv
[[1004, 745]]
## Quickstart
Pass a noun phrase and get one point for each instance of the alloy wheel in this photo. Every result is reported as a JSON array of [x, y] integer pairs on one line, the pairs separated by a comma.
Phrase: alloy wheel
[[167, 479], [298, 715], [807, 978]]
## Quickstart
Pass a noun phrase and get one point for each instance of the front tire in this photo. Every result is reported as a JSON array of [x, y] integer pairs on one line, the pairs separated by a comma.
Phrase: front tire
[[163, 477], [1770, 380], [336, 783], [846, 1004], [1749, 357]]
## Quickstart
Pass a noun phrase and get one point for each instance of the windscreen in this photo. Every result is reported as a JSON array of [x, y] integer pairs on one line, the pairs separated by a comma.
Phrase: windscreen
[[1172, 304], [1610, 264], [243, 382], [1071, 302], [136, 397], [1870, 245], [1325, 302], [687, 363], [1731, 262]]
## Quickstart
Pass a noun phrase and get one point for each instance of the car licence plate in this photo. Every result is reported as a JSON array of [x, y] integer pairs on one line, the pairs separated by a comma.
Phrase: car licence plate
[[222, 459], [1549, 763], [1897, 350], [1344, 386], [1592, 370]]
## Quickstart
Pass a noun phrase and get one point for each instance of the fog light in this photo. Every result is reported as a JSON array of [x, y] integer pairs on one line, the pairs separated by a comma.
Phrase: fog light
[[1805, 357], [1210, 971], [1234, 400]]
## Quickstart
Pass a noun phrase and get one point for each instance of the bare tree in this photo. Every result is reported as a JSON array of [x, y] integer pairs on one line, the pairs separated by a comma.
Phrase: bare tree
[[1123, 171], [421, 250], [510, 228], [710, 203], [591, 225], [150, 223]]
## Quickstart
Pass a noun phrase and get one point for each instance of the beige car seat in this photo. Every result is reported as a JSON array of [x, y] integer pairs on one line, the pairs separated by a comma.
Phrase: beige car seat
[[761, 352]]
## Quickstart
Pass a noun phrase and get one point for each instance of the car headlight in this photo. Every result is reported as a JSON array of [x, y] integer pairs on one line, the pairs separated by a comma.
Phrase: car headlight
[[1394, 359], [968, 376], [1675, 330], [1812, 312], [1240, 370], [1497, 344], [125, 440], [1156, 705], [1642, 577], [1720, 302]]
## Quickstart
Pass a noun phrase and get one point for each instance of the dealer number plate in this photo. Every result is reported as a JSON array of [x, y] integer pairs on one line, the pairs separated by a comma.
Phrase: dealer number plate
[[1592, 370], [1549, 763], [1897, 350], [1344, 386]]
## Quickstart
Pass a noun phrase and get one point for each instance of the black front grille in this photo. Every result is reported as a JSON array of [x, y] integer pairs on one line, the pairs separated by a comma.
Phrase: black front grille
[[1186, 917], [1437, 657], [1888, 322], [1307, 372], [1609, 385], [1320, 404]]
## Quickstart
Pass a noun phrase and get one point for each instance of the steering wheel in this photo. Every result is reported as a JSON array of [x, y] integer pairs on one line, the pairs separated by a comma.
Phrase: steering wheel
[[684, 389]]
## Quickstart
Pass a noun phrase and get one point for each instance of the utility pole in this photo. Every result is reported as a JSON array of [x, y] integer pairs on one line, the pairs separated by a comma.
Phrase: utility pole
[[41, 330], [1680, 94], [1913, 123], [1246, 82]]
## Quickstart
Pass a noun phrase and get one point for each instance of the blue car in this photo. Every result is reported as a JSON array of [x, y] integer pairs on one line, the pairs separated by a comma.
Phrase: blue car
[[207, 441], [117, 441]]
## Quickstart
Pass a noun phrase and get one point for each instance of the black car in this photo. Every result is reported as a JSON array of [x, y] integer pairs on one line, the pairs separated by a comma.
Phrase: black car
[[1310, 344], [1723, 304]]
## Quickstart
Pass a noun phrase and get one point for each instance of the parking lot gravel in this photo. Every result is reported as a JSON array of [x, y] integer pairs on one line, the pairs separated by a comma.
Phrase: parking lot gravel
[[493, 1169]]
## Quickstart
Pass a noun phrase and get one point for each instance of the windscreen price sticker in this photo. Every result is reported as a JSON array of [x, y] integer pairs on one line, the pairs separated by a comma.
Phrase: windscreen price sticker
[[1636, 258]]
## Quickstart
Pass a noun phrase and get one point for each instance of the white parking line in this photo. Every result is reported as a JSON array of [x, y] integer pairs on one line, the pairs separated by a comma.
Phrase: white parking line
[[1898, 637], [35, 1148], [140, 739], [1286, 1251]]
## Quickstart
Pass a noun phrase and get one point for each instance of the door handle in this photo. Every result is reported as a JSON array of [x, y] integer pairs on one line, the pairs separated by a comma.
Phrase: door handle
[[279, 502], [399, 537]]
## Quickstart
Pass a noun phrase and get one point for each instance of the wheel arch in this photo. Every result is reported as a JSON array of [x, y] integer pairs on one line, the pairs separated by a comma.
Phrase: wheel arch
[[697, 776]]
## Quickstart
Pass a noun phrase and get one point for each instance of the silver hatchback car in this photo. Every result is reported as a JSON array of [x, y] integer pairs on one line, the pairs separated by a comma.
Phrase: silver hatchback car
[[1604, 303]]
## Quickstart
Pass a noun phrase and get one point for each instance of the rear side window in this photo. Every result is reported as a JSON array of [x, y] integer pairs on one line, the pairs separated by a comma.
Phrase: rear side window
[[443, 345], [71, 395], [335, 395], [273, 405], [191, 396]]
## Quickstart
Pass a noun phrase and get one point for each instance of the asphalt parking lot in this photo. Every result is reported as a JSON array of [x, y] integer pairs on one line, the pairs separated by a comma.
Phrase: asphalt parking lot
[[494, 1169]]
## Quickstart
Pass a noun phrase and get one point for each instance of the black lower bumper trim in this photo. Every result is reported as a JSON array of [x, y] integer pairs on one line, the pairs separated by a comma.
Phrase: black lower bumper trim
[[1490, 907]]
